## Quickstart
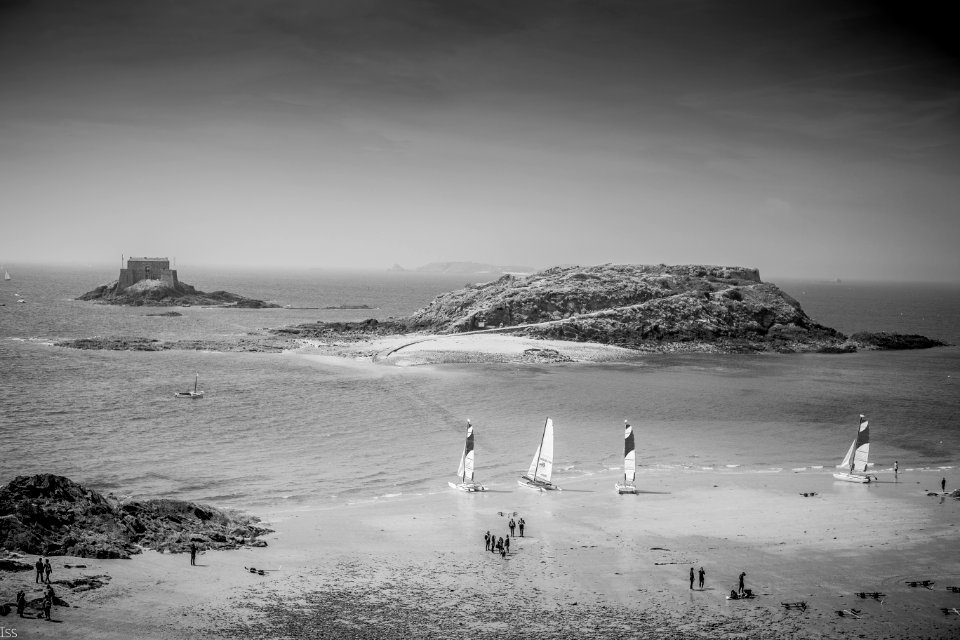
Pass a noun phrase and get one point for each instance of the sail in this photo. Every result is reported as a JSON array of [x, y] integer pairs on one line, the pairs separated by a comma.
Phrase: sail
[[541, 467], [629, 454], [861, 446], [846, 459], [6, 276], [466, 459]]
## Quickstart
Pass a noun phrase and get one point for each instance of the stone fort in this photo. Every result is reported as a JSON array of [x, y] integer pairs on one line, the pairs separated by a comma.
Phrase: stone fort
[[147, 269]]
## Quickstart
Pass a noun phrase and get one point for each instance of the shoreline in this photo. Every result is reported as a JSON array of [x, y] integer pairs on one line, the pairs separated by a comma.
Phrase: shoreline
[[591, 564]]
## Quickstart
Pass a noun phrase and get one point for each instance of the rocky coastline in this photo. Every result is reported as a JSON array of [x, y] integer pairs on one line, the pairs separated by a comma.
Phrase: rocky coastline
[[643, 308], [52, 515], [156, 293]]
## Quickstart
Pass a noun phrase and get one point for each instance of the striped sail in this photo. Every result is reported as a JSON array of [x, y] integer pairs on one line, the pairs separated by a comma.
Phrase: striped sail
[[541, 467], [466, 460], [629, 454], [861, 446], [856, 458]]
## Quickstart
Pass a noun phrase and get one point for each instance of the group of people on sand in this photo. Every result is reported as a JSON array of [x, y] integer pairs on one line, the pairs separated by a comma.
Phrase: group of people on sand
[[740, 592], [702, 574], [501, 545], [46, 605]]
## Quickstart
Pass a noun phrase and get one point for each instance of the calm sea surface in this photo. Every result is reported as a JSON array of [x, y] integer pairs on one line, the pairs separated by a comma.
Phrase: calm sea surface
[[300, 430]]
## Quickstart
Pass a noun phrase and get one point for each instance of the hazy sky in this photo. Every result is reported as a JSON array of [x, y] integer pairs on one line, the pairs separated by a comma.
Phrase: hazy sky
[[817, 139]]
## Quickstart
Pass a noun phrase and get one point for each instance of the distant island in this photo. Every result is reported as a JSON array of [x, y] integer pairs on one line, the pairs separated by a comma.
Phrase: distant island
[[151, 281], [467, 268], [618, 311], [647, 308]]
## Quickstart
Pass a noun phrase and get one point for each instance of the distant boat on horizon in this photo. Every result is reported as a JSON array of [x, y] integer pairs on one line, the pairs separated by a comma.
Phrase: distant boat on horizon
[[191, 394], [6, 274]]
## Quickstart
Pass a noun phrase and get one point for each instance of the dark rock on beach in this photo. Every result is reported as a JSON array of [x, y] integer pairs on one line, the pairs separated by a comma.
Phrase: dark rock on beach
[[52, 515], [893, 341], [161, 294]]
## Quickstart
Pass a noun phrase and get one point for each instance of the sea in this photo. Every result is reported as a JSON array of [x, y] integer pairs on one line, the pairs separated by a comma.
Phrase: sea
[[295, 430]]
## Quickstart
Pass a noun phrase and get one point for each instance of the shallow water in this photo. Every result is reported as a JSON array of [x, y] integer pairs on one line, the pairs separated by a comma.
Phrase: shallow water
[[293, 429]]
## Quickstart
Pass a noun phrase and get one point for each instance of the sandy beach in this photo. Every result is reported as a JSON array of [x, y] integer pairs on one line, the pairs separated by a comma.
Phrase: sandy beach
[[592, 564]]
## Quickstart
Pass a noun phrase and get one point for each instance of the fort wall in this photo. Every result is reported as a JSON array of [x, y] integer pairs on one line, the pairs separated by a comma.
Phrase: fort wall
[[147, 269]]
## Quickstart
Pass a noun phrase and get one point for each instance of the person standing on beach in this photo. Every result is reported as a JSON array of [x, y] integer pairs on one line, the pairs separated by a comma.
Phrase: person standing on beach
[[691, 577], [702, 573], [506, 544], [943, 485], [896, 468], [47, 569], [512, 525], [500, 544], [21, 603], [486, 541], [39, 568], [193, 554], [740, 590], [521, 527]]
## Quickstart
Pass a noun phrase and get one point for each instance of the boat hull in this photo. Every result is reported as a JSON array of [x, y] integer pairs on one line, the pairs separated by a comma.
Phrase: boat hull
[[626, 488], [469, 487], [194, 395], [538, 486], [852, 477]]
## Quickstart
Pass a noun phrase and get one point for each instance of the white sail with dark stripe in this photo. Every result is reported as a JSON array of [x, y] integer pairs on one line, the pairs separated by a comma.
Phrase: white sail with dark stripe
[[465, 471], [856, 460], [629, 461]]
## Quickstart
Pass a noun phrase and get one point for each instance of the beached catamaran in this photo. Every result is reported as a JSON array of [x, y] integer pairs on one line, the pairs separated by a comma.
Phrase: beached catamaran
[[629, 462], [541, 467], [465, 472], [856, 458], [191, 394]]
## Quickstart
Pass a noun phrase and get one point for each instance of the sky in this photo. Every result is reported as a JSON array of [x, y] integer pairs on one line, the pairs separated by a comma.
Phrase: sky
[[805, 139]]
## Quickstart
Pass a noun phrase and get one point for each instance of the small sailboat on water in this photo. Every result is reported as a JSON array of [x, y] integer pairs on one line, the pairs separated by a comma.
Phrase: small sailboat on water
[[856, 458], [541, 467], [6, 274], [465, 472], [191, 394], [629, 462]]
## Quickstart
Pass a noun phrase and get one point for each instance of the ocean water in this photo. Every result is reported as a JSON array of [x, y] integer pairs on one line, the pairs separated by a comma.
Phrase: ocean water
[[295, 429]]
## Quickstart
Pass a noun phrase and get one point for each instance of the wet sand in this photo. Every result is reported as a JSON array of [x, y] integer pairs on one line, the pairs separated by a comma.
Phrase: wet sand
[[593, 564]]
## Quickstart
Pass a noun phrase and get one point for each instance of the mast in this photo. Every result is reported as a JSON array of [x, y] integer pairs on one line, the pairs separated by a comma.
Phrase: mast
[[195, 382]]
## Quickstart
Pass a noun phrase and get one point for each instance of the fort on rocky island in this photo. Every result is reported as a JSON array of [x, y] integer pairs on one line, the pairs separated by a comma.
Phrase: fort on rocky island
[[147, 269], [151, 281]]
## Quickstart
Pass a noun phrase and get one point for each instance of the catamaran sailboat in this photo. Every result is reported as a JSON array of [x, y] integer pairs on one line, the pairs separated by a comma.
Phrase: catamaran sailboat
[[465, 472], [856, 458], [191, 394], [629, 462], [541, 467]]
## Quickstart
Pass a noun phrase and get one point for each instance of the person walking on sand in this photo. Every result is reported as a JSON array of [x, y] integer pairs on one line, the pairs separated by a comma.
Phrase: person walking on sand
[[512, 525], [39, 568], [486, 541], [521, 523], [193, 554], [47, 569], [740, 589], [21, 603], [500, 544], [691, 577], [506, 544], [47, 606], [702, 573]]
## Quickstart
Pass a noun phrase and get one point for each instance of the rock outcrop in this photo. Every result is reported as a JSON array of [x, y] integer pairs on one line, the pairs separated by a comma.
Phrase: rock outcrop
[[52, 515], [159, 294], [643, 307]]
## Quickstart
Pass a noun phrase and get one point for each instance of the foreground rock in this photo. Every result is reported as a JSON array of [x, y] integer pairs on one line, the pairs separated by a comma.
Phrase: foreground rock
[[52, 515], [160, 294]]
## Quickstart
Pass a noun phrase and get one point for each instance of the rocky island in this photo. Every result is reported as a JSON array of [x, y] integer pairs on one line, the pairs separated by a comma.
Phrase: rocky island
[[647, 308], [553, 315], [52, 515], [151, 281]]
